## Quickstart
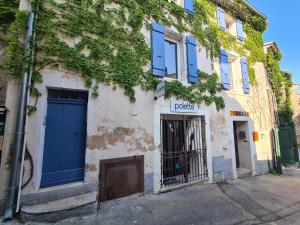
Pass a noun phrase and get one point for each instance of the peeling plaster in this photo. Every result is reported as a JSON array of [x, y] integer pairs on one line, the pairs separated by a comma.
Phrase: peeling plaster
[[90, 167], [138, 139]]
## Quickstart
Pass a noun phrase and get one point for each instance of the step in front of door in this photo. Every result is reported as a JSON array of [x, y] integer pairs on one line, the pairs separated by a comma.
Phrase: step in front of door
[[64, 202]]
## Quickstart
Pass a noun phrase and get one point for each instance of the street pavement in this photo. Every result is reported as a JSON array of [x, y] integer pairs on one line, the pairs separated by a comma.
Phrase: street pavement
[[266, 200]]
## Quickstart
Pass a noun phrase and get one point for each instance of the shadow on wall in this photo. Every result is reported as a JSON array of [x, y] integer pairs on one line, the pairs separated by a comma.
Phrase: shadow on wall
[[297, 128], [260, 119]]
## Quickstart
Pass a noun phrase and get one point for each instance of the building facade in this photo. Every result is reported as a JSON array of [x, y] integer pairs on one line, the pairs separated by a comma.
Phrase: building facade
[[295, 97], [81, 150], [3, 85]]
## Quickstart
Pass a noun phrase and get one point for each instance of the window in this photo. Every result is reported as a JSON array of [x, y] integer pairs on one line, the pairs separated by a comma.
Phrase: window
[[225, 70], [171, 59], [240, 30], [168, 54], [188, 5], [229, 24]]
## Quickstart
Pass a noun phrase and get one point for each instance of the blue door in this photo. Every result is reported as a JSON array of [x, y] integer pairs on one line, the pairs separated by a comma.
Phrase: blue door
[[65, 138]]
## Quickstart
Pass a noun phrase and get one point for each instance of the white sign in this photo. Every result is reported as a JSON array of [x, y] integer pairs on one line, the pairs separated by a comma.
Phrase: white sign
[[160, 89], [183, 107]]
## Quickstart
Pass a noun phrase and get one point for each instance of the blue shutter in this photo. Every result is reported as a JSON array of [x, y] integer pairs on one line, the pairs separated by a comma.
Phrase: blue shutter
[[246, 84], [192, 67], [158, 50], [224, 67], [189, 6], [221, 18], [240, 30]]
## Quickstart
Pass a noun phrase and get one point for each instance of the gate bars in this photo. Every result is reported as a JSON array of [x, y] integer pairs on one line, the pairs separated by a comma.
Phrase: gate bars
[[183, 153]]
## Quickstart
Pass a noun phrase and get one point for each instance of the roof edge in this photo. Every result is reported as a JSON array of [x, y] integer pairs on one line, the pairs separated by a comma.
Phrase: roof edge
[[254, 9]]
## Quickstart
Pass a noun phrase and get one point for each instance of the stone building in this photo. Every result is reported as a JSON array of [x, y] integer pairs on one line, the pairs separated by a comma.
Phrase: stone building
[[295, 97], [82, 150]]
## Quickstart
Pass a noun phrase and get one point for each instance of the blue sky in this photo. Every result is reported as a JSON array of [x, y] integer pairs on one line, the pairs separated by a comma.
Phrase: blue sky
[[284, 21]]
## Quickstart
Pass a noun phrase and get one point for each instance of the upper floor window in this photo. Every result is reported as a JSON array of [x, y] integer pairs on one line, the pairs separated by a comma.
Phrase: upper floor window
[[171, 59], [188, 5], [225, 70], [240, 30], [229, 24], [168, 55], [227, 60]]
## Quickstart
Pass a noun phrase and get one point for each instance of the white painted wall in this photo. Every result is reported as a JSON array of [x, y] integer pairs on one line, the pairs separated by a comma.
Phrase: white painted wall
[[118, 128]]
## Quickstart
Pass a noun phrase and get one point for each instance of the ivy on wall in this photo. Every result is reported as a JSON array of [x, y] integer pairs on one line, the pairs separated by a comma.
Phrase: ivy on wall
[[8, 9], [103, 41], [254, 26], [281, 84], [239, 10]]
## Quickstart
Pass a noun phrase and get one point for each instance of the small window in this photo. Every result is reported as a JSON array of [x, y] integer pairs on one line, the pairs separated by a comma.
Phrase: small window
[[171, 59], [230, 24], [67, 94], [298, 91]]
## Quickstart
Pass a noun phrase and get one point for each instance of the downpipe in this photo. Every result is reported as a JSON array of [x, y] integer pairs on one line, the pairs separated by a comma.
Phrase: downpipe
[[20, 123]]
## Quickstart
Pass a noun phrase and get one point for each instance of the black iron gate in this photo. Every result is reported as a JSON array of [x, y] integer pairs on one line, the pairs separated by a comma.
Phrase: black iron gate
[[183, 153]]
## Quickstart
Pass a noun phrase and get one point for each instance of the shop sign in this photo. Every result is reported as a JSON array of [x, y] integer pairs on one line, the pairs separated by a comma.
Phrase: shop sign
[[239, 113], [2, 120], [183, 107], [160, 90]]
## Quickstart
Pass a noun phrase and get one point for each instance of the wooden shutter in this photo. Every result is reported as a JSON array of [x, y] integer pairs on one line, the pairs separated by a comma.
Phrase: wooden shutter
[[240, 30], [221, 18], [189, 6], [224, 67], [192, 67], [246, 84], [158, 50]]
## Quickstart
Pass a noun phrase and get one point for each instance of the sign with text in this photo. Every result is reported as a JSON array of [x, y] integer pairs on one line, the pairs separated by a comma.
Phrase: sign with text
[[238, 113], [183, 107]]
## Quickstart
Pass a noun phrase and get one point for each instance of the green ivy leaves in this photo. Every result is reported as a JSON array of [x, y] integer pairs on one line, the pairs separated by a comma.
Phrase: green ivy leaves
[[103, 41]]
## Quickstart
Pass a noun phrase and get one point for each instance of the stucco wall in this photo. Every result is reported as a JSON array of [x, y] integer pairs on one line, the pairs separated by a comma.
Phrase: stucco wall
[[295, 98], [260, 108], [118, 128]]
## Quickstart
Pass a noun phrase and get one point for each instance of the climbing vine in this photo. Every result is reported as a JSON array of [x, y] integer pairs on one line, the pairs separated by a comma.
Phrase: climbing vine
[[281, 84], [254, 25], [103, 41], [8, 9]]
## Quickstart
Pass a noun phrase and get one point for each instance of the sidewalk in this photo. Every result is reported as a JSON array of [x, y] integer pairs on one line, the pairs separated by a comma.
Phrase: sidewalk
[[269, 200]]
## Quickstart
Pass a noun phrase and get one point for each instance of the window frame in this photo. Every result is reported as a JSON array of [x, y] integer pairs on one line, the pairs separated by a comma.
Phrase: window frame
[[176, 58]]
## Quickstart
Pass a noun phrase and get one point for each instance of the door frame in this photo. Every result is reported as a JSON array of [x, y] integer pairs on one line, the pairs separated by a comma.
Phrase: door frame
[[251, 142], [42, 118], [236, 146], [160, 110]]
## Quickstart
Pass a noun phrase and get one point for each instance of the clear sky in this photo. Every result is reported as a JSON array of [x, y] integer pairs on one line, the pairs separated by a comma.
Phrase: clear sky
[[284, 28]]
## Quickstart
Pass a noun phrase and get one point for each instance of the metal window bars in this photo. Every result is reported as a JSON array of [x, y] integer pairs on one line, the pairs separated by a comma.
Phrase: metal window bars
[[183, 152]]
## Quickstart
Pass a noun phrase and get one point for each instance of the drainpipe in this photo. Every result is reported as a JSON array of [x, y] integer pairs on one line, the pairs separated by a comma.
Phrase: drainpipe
[[20, 123]]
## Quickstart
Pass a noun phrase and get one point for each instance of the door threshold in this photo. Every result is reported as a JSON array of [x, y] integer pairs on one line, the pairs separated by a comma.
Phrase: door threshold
[[167, 189], [242, 173]]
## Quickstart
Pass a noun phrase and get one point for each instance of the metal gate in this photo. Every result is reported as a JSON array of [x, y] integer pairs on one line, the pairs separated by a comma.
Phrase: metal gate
[[183, 152], [287, 145]]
